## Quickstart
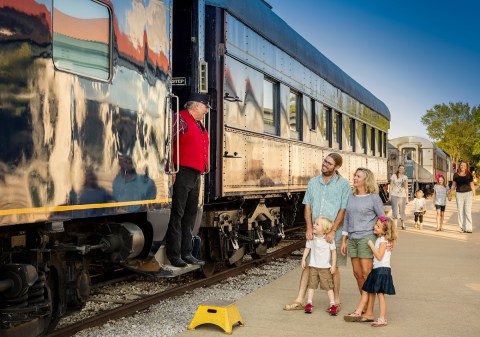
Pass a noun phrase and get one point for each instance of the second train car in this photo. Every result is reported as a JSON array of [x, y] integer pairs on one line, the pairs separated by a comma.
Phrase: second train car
[[423, 161]]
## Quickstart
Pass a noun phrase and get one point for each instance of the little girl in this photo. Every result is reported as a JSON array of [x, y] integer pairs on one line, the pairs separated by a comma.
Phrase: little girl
[[379, 281], [440, 191], [420, 209]]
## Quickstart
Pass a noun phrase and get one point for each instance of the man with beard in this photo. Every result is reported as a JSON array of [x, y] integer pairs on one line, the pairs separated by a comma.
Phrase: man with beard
[[327, 196]]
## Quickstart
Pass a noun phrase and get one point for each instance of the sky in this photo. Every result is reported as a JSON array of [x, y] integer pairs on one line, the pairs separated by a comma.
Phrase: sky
[[411, 54]]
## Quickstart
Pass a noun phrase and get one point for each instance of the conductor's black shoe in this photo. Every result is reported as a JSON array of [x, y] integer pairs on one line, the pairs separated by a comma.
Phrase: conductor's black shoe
[[192, 260], [178, 263]]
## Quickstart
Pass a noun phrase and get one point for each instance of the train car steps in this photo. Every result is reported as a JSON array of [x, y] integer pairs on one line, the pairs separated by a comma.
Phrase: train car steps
[[218, 312]]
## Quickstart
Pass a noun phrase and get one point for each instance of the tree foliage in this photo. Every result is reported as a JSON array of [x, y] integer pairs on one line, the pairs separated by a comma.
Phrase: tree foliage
[[455, 128]]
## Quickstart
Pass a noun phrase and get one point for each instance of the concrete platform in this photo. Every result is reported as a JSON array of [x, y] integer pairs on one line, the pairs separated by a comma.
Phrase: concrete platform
[[437, 279]]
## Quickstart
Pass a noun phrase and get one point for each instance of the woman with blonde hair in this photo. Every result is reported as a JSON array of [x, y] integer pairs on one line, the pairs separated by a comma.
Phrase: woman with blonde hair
[[363, 209]]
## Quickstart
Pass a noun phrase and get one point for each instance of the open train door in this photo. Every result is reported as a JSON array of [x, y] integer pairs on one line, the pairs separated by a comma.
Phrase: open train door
[[189, 69]]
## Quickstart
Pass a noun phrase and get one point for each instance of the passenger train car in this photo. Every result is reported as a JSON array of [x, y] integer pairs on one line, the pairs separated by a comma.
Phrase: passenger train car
[[89, 91], [422, 159]]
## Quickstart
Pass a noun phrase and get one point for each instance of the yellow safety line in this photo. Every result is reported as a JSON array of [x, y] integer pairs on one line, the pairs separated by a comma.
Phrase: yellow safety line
[[51, 209]]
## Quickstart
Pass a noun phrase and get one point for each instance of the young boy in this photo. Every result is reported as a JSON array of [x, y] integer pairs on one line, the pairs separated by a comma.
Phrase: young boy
[[322, 263]]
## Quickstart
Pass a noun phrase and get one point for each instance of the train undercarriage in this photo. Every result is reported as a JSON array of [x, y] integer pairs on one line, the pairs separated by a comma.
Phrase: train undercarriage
[[45, 272], [249, 229]]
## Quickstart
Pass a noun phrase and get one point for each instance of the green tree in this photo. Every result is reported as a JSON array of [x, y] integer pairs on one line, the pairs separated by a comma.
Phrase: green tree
[[476, 146], [455, 128]]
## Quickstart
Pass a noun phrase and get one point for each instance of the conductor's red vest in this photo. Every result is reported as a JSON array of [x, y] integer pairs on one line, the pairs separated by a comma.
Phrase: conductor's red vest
[[193, 145]]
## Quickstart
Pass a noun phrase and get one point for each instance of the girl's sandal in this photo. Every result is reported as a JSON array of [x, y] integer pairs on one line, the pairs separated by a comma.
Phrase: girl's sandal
[[379, 323]]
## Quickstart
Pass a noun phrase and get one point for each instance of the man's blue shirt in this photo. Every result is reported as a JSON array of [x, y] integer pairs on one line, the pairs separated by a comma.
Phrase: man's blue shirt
[[327, 199]]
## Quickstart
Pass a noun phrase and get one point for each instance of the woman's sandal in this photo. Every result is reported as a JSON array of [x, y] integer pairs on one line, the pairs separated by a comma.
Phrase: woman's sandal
[[379, 323], [365, 320], [293, 306], [352, 317]]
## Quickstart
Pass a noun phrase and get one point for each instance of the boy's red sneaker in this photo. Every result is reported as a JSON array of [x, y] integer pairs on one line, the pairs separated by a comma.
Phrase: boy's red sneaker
[[308, 308], [333, 310]]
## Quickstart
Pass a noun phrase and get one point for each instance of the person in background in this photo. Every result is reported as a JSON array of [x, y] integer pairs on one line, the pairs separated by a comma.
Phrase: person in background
[[399, 194], [193, 162], [420, 207], [363, 209], [379, 282], [327, 196], [439, 198], [322, 263], [463, 185]]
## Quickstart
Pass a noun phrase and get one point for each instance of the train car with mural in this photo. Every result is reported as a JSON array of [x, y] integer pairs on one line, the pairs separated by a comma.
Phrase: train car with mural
[[423, 161], [89, 91]]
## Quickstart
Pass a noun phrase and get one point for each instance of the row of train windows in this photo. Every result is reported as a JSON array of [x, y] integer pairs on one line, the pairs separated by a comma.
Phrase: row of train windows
[[331, 123]]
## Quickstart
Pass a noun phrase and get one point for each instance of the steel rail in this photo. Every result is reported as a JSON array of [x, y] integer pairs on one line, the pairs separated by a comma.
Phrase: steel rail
[[133, 307]]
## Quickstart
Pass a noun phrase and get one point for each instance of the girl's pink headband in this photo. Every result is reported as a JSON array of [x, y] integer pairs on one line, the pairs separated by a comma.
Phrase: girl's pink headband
[[382, 218]]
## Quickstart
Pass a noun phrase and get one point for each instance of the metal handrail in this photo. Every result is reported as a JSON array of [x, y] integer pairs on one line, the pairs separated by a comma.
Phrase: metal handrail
[[172, 168]]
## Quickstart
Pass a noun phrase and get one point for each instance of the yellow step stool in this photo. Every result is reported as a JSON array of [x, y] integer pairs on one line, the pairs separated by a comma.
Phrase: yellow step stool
[[221, 313]]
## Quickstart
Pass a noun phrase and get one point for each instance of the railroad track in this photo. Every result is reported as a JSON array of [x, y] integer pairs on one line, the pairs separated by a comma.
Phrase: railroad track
[[130, 307]]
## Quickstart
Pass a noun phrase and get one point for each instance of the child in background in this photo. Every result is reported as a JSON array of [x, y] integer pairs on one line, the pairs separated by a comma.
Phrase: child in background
[[440, 191], [379, 281], [420, 209], [322, 263]]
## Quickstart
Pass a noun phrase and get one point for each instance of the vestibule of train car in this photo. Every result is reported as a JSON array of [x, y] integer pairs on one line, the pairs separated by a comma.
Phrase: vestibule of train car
[[182, 36], [186, 43], [409, 155]]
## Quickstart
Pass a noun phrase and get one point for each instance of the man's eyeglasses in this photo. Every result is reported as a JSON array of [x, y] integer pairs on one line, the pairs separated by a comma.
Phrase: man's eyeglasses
[[328, 163]]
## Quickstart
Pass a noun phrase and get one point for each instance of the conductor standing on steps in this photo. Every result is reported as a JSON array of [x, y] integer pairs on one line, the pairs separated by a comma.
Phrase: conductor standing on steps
[[193, 162]]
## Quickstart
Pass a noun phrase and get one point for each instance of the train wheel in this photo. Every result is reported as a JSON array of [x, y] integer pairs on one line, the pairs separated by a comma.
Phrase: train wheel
[[260, 251], [237, 257], [209, 268], [207, 241], [51, 290]]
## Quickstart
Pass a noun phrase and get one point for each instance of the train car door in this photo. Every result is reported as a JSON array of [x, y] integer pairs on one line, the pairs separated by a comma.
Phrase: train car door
[[409, 156], [189, 69], [188, 51]]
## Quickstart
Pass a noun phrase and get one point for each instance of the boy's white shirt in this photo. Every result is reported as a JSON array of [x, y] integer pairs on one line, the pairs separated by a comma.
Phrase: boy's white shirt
[[320, 252]]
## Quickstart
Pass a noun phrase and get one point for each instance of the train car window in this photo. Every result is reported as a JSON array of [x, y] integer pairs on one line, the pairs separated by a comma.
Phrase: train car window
[[327, 112], [346, 132], [353, 143], [334, 128], [364, 138], [270, 103], [385, 145], [372, 141], [359, 136], [313, 115], [379, 143], [338, 129], [294, 115], [82, 38]]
